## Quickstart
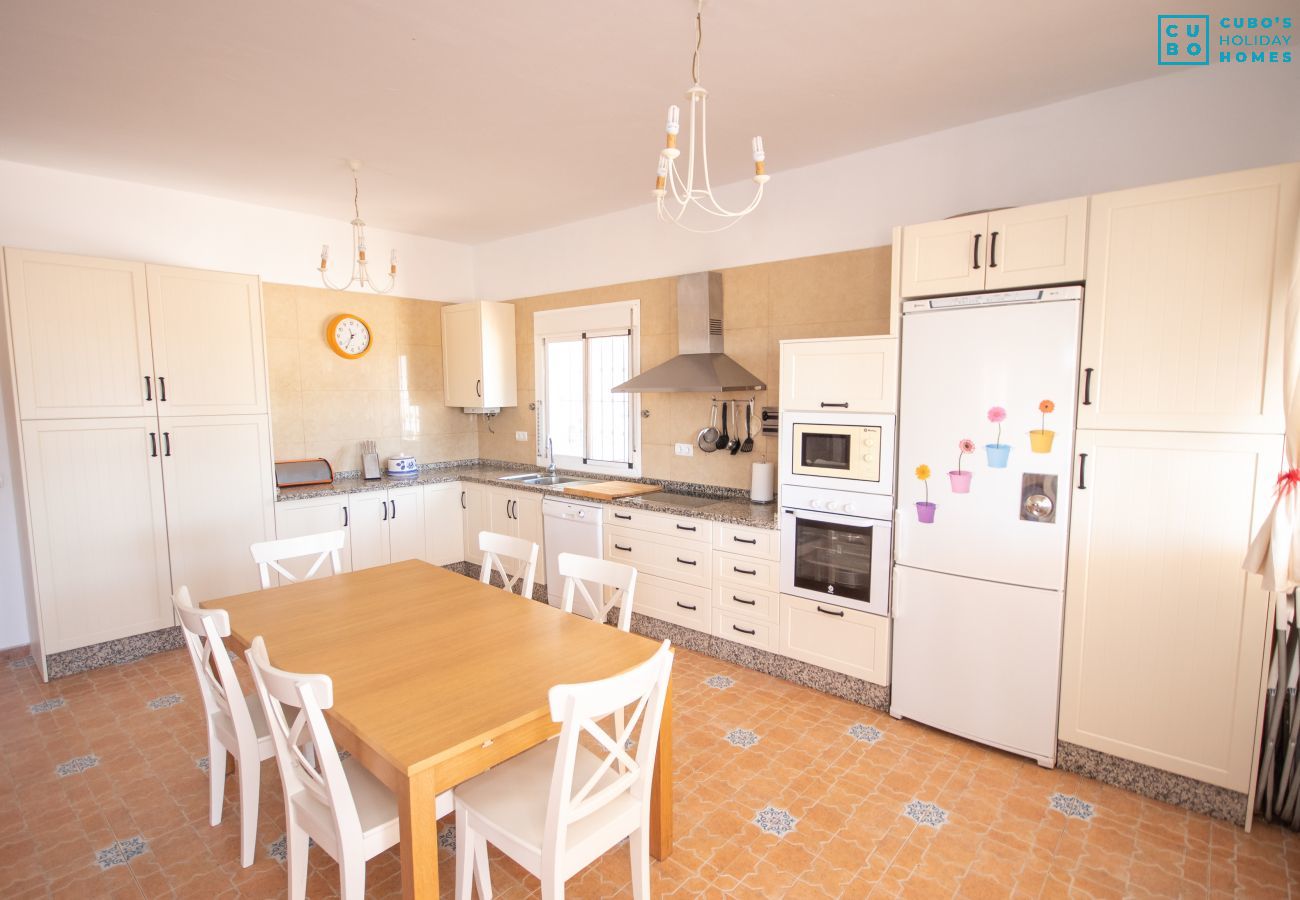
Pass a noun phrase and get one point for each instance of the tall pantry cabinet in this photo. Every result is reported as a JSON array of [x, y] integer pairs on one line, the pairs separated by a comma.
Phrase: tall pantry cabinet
[[1178, 446], [143, 439]]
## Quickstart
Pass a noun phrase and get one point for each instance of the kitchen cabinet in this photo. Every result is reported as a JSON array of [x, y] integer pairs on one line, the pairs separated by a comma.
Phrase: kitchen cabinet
[[474, 503], [314, 515], [858, 374], [518, 514], [478, 355], [98, 527], [444, 524], [387, 526], [406, 526], [1165, 634], [1019, 247], [842, 640], [1182, 319]]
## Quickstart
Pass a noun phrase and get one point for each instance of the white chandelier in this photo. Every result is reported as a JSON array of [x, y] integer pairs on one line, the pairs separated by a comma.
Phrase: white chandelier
[[360, 274], [685, 193]]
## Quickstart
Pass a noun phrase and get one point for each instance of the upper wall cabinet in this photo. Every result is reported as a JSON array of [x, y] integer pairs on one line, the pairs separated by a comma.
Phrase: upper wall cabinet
[[1024, 246], [96, 337], [1182, 319], [478, 355], [840, 374]]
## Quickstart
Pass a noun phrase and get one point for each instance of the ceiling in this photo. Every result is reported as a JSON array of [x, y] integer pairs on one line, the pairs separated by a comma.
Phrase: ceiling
[[486, 118]]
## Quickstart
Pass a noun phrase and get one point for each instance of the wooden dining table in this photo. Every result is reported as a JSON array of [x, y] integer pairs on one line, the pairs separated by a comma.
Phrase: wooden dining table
[[437, 678]]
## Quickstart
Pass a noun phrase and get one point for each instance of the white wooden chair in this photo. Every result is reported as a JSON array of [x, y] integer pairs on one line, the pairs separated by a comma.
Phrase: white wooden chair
[[557, 807], [337, 803], [269, 554], [499, 547], [579, 571], [235, 722]]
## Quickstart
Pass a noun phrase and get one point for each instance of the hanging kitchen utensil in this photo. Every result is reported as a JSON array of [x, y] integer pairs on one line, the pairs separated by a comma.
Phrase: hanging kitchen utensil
[[710, 434], [734, 445], [723, 439], [748, 446]]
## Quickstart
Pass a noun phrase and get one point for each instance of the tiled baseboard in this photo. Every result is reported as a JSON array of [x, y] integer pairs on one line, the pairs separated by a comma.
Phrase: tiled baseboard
[[1157, 784], [113, 653]]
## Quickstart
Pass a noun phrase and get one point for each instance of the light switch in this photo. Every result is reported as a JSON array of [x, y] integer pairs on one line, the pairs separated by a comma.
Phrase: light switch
[[685, 449], [521, 435]]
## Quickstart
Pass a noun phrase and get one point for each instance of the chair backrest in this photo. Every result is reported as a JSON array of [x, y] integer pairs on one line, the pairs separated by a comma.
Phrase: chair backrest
[[582, 708], [269, 554], [499, 547], [219, 686], [619, 577], [316, 772]]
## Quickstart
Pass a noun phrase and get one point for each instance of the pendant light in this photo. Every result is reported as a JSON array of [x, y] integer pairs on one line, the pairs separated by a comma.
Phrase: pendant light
[[360, 273]]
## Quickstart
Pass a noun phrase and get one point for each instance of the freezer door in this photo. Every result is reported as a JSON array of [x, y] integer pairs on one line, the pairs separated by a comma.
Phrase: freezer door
[[978, 659], [957, 365]]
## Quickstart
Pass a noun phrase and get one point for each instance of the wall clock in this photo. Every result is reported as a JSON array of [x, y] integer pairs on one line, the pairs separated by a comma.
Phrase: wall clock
[[348, 336]]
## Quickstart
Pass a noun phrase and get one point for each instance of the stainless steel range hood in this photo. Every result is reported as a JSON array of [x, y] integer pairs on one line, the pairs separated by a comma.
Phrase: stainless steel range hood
[[700, 365]]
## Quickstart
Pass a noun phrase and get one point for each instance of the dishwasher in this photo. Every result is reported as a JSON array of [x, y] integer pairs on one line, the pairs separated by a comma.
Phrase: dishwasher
[[569, 526]]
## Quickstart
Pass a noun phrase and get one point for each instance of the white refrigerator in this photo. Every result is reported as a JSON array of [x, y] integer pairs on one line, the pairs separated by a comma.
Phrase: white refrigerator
[[979, 578]]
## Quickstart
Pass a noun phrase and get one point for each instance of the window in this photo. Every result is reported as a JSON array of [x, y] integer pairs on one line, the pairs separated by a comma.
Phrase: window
[[580, 354]]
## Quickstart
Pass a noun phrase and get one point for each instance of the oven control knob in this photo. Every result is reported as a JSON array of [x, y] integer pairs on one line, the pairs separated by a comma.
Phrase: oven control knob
[[815, 504], [848, 507], [832, 505]]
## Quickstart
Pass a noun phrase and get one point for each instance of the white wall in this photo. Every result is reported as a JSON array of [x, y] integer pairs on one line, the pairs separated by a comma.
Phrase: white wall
[[1177, 126]]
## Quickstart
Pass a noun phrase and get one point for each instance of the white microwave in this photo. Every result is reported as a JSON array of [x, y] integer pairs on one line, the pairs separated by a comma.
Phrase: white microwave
[[842, 451]]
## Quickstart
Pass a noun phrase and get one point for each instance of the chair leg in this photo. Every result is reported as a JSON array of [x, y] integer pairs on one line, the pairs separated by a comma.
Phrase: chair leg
[[352, 875], [552, 882], [216, 779], [297, 849], [250, 784], [482, 873], [466, 858], [640, 849]]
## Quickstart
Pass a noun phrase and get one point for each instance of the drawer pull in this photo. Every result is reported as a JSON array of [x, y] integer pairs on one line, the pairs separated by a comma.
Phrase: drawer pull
[[684, 606], [621, 516], [834, 405], [621, 547], [831, 612], [687, 528], [744, 601], [748, 631], [741, 540], [687, 562], [741, 571]]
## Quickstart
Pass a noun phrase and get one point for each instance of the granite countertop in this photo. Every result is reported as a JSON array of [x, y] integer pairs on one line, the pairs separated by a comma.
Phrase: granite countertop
[[732, 508]]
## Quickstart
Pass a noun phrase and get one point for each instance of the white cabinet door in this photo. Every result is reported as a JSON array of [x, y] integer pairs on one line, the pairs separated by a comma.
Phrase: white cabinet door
[[462, 355], [849, 374], [1182, 321], [80, 333], [1036, 245], [475, 503], [220, 493], [98, 529], [444, 524], [499, 355], [945, 257], [208, 349], [1164, 632], [406, 538], [500, 516], [527, 512], [368, 521], [316, 515], [842, 640]]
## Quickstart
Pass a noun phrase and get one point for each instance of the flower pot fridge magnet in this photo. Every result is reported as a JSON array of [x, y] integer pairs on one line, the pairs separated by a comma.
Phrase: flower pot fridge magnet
[[1040, 440], [961, 480], [924, 509], [998, 452]]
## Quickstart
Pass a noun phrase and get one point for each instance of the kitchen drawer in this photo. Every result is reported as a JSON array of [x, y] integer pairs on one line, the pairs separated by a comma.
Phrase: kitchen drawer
[[744, 630], [764, 543], [747, 570], [671, 601], [660, 523], [657, 554], [747, 601], [842, 640]]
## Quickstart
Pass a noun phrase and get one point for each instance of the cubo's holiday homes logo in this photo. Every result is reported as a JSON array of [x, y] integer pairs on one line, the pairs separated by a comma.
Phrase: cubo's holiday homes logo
[[1195, 40]]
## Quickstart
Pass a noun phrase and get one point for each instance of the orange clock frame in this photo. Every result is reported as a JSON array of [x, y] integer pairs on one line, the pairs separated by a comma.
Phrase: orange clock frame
[[329, 333]]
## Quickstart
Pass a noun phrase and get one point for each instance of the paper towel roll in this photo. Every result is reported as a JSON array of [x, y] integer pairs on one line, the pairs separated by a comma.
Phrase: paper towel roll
[[761, 481]]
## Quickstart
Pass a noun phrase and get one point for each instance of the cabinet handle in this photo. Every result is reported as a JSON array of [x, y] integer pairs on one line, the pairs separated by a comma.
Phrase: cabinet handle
[[462, 500], [345, 517], [993, 250], [748, 631], [621, 547], [1083, 461], [741, 540], [153, 444], [687, 528], [688, 562], [684, 606], [1087, 387], [835, 406], [385, 505], [976, 263], [167, 443], [162, 389], [148, 393], [514, 509], [621, 516], [478, 387], [393, 503], [744, 601], [831, 612], [741, 571]]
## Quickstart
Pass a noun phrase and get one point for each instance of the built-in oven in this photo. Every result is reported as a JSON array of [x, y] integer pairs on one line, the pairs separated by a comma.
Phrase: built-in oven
[[840, 451], [836, 547]]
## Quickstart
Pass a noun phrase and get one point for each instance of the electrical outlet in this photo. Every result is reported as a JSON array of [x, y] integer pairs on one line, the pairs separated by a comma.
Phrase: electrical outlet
[[685, 449], [521, 435]]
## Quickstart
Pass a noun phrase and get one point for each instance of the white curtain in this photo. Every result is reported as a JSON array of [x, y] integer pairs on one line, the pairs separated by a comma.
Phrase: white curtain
[[1275, 552]]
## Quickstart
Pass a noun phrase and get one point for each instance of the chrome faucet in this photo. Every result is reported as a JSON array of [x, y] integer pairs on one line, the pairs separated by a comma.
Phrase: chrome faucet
[[550, 454]]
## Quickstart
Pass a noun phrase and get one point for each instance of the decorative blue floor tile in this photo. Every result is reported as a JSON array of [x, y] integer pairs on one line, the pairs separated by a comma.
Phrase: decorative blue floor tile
[[278, 849], [775, 821], [868, 733], [923, 813], [165, 701], [47, 705], [1072, 806], [201, 764], [343, 754], [447, 838], [121, 852], [25, 663], [742, 737], [721, 682], [77, 765]]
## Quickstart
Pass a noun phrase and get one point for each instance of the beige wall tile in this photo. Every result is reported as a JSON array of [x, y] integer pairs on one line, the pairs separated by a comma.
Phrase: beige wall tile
[[280, 308]]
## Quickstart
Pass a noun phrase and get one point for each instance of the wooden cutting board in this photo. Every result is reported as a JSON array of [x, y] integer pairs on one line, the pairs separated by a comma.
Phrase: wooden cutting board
[[611, 490]]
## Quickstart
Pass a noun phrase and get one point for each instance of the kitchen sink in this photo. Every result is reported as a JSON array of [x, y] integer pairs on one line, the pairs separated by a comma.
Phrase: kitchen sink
[[522, 477], [540, 479]]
